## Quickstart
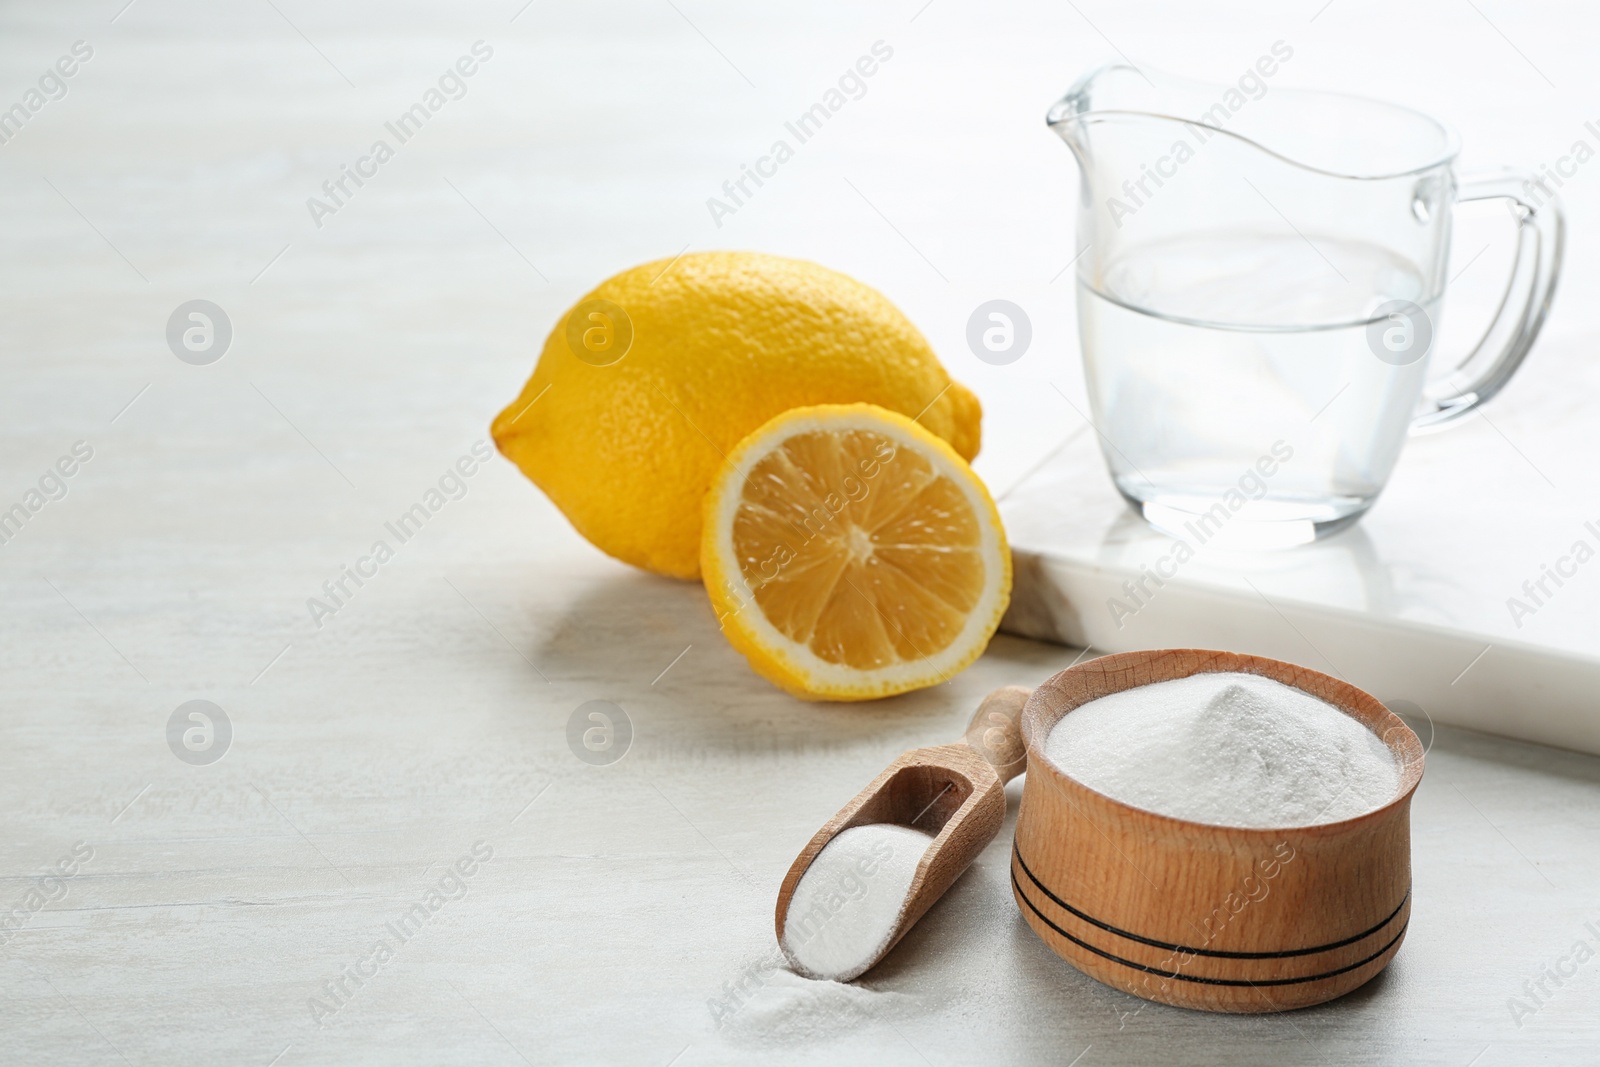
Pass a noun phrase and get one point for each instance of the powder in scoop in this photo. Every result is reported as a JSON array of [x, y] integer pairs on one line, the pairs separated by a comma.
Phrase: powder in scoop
[[848, 902], [1227, 749]]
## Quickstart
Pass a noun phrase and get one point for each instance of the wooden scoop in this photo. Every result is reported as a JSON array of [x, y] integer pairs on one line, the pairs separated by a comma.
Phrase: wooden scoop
[[955, 792]]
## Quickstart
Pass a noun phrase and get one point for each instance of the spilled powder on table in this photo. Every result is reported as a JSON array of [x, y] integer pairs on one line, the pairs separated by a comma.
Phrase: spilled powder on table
[[789, 1009]]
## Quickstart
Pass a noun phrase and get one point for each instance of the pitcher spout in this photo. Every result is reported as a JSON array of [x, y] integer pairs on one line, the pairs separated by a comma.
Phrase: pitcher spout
[[1064, 116], [1126, 105]]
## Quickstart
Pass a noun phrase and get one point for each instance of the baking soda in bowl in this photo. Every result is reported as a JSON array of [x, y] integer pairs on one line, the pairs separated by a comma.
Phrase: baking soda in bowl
[[1228, 749], [848, 902]]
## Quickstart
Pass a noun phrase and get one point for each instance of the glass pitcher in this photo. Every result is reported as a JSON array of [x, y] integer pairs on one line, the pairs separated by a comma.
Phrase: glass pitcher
[[1259, 278]]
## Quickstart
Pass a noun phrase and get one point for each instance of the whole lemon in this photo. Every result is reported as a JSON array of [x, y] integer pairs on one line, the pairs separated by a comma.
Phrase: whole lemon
[[647, 384]]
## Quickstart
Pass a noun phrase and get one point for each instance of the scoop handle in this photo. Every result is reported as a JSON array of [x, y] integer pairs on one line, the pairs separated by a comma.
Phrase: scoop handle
[[995, 732]]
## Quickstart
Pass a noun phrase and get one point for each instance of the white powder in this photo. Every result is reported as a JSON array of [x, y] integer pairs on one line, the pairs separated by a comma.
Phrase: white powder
[[847, 905], [1226, 749], [788, 1010]]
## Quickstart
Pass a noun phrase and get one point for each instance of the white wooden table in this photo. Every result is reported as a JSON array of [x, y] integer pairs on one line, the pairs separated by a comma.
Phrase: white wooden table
[[227, 912]]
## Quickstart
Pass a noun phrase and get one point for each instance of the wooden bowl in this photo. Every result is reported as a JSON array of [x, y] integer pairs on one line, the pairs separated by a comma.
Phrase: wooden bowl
[[1210, 917]]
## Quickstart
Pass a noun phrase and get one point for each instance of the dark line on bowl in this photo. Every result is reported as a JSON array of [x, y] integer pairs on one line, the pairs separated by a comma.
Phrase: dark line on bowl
[[1200, 979], [1199, 951]]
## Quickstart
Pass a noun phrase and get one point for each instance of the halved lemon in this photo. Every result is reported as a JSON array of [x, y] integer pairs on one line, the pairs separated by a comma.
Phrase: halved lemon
[[851, 554]]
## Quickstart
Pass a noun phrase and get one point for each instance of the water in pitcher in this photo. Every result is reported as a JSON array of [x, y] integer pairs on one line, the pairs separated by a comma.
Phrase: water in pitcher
[[1242, 365]]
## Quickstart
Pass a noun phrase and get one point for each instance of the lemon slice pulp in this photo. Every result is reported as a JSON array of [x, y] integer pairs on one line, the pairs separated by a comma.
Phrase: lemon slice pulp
[[852, 554]]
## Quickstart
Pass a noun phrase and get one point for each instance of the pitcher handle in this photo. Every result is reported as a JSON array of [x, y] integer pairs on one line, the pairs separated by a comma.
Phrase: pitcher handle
[[1541, 238]]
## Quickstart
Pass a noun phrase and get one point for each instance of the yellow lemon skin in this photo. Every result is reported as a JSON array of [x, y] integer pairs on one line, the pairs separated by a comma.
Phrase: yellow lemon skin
[[721, 342], [959, 527]]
